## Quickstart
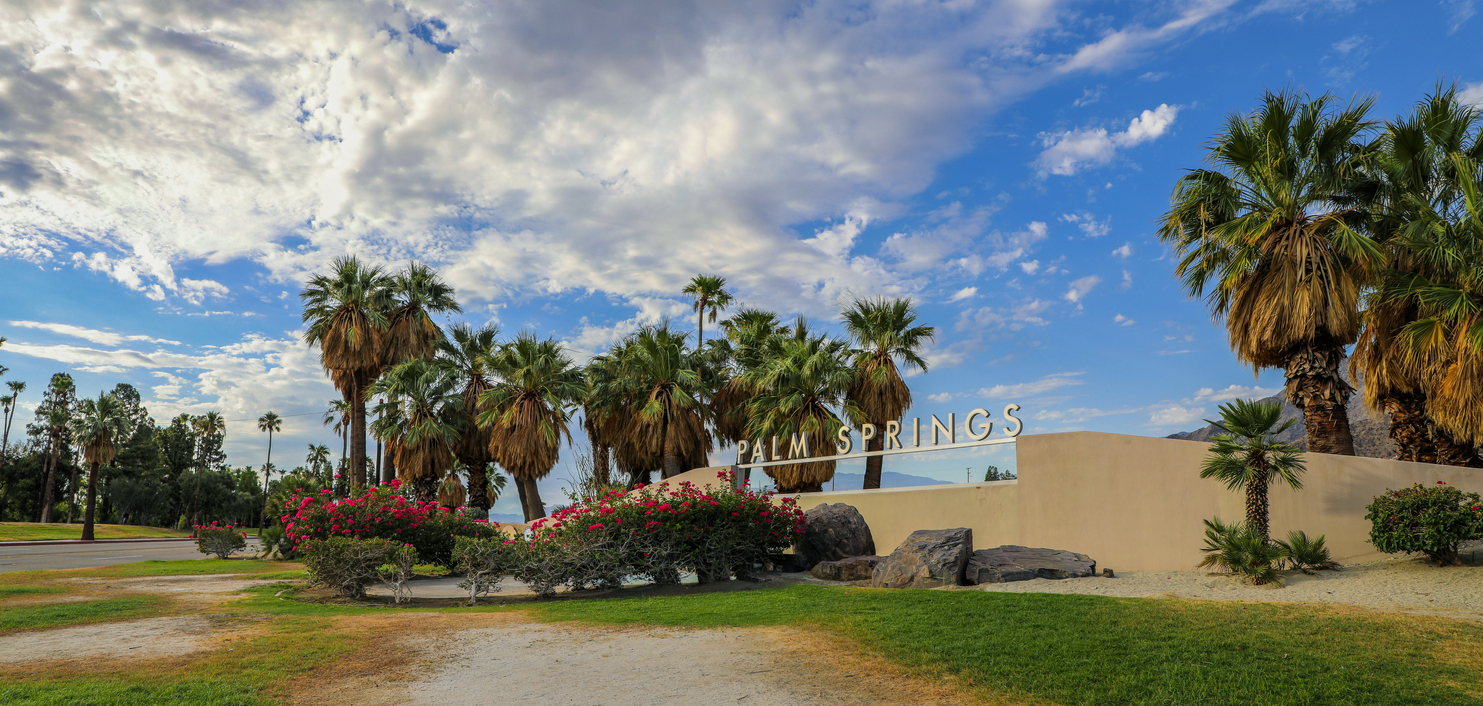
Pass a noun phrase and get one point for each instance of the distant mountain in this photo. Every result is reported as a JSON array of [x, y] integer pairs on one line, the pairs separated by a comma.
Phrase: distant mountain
[[1371, 430], [889, 479]]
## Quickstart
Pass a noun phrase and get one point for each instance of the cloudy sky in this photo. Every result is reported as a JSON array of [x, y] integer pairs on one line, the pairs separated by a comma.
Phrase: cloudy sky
[[171, 172]]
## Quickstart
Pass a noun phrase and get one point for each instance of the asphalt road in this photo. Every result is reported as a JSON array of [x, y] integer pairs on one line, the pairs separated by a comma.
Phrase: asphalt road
[[76, 556]]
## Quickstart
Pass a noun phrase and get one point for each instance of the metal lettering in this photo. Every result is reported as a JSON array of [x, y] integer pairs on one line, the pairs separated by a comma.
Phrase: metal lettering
[[893, 433], [741, 449], [950, 429], [1017, 426], [984, 431], [796, 444], [844, 443]]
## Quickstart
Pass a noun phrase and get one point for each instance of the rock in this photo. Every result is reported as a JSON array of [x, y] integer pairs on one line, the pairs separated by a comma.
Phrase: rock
[[832, 532], [927, 559], [1107, 573], [788, 563], [1015, 563], [855, 568]]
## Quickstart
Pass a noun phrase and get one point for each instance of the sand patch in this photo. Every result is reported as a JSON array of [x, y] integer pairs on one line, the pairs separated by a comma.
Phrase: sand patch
[[135, 639]]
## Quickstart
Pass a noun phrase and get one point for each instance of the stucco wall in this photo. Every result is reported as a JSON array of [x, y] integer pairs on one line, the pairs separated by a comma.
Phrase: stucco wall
[[1131, 502]]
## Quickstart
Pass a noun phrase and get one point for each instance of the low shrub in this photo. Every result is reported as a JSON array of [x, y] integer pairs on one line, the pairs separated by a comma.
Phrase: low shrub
[[383, 512], [1304, 554], [275, 541], [346, 566], [483, 562], [396, 570], [1241, 550], [1431, 520], [221, 540]]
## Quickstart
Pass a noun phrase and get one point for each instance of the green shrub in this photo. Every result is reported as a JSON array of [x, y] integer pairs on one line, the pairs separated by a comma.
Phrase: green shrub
[[221, 540], [276, 541], [1241, 550], [483, 562], [346, 566], [1306, 555], [397, 570], [1431, 520]]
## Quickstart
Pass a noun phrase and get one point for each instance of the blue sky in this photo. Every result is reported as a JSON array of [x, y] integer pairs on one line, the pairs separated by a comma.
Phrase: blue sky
[[170, 176]]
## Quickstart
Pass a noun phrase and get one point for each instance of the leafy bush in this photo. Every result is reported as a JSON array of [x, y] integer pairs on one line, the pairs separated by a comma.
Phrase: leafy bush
[[1304, 554], [1431, 520], [1241, 550], [221, 540], [483, 562], [346, 566], [276, 542], [383, 512]]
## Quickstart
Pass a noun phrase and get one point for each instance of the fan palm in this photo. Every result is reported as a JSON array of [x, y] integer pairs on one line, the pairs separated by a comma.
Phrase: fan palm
[[660, 373], [97, 425], [708, 296], [318, 461], [421, 423], [528, 409], [464, 354], [9, 405], [272, 423], [337, 416], [417, 293], [204, 426], [883, 332], [346, 315], [1247, 456], [747, 332], [1272, 234], [797, 386]]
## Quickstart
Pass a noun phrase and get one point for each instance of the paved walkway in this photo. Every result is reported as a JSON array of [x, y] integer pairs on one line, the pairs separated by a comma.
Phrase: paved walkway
[[77, 554]]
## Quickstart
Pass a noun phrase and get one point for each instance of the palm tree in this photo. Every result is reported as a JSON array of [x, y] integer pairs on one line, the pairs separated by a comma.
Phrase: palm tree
[[661, 377], [205, 427], [802, 379], [1248, 457], [1272, 232], [271, 423], [747, 333], [464, 355], [337, 416], [882, 332], [57, 418], [9, 407], [1415, 176], [708, 294], [417, 292], [420, 423], [98, 424], [346, 315], [318, 460], [527, 411]]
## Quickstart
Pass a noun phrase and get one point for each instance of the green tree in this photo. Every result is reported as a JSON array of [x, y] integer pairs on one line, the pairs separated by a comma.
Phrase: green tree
[[420, 423], [318, 461], [883, 332], [271, 423], [1274, 234], [465, 354], [661, 376], [96, 427], [208, 429], [527, 411], [708, 296], [1247, 457]]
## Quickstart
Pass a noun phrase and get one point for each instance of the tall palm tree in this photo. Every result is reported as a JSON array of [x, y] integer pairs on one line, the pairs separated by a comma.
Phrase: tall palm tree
[[1273, 233], [337, 417], [662, 378], [57, 417], [205, 427], [318, 460], [1415, 176], [98, 424], [271, 423], [708, 296], [421, 423], [747, 333], [1247, 456], [8, 407], [345, 310], [609, 409], [528, 409], [417, 293], [800, 388], [464, 354], [883, 332]]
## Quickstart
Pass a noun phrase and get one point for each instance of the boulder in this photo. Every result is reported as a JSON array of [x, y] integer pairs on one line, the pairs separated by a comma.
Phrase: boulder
[[927, 559], [832, 532], [1015, 563], [855, 568]]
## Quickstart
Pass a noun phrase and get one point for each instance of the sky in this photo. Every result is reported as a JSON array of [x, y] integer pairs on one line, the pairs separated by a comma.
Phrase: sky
[[170, 173]]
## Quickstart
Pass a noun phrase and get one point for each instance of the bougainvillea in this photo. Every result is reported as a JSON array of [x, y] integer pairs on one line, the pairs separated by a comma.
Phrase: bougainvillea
[[1432, 520], [221, 540], [383, 512]]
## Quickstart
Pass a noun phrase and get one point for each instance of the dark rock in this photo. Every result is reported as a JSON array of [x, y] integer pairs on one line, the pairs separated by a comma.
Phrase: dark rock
[[927, 559], [787, 563], [1015, 563], [1107, 573], [832, 532], [855, 568]]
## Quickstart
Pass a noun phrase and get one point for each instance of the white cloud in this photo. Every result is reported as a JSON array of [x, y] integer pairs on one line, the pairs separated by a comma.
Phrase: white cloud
[[1016, 317], [106, 338], [1472, 94], [1089, 96], [1127, 280], [1153, 75], [1030, 267], [1460, 11], [1089, 225], [1123, 320], [1079, 288], [1123, 252], [1070, 151], [1029, 389], [1234, 392], [964, 293], [1174, 415], [1350, 56], [941, 397]]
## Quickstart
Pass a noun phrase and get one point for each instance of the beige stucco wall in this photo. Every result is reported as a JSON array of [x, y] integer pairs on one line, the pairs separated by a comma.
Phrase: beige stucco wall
[[1131, 502]]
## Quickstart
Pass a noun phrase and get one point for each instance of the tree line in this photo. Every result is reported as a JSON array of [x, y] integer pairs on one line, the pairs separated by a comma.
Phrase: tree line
[[1317, 228]]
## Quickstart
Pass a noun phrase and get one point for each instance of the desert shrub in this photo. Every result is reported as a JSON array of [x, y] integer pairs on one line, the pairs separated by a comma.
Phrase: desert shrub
[[275, 541], [1431, 520], [396, 570], [1305, 554], [346, 566], [1243, 551], [221, 540], [483, 562], [383, 512]]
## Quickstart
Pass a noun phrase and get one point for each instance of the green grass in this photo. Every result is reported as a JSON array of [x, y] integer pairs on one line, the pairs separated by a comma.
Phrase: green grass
[[1093, 650], [186, 567], [52, 615], [13, 591], [35, 531]]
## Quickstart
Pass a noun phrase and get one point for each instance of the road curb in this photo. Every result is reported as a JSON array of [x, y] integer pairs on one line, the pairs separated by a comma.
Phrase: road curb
[[43, 542]]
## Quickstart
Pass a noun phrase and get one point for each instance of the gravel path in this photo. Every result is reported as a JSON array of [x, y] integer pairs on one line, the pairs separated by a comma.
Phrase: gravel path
[[136, 639]]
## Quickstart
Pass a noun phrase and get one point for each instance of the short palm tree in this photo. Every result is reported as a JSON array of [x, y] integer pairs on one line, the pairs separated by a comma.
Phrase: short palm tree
[[346, 312], [96, 427], [1273, 234], [464, 355], [747, 332], [318, 461], [9, 405], [527, 411], [800, 387], [883, 333], [272, 423], [661, 375], [205, 426], [421, 423], [1246, 456], [708, 297]]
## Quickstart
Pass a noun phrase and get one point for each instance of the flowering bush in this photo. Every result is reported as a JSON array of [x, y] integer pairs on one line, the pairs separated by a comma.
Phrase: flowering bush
[[383, 512], [657, 532], [482, 562], [346, 566], [1432, 520], [221, 540]]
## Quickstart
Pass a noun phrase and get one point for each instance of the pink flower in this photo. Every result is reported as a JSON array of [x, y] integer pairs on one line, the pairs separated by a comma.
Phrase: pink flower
[[594, 527]]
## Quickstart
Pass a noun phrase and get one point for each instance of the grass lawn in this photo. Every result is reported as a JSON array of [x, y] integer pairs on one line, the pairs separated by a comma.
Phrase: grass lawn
[[35, 531], [55, 615]]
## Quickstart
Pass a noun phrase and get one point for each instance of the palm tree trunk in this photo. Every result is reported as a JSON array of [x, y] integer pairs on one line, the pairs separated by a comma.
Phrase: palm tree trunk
[[1409, 428], [1256, 507], [267, 468], [196, 505], [700, 329], [524, 501], [600, 465], [358, 435], [87, 518], [51, 477], [671, 458], [535, 509], [1314, 386], [72, 495], [344, 457], [873, 464], [1451, 452], [478, 484]]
